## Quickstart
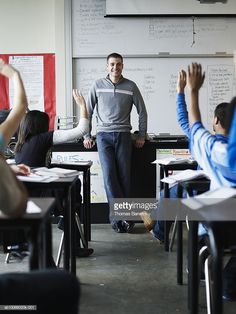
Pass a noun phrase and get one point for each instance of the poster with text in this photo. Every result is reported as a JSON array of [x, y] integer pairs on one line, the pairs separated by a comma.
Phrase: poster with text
[[38, 75]]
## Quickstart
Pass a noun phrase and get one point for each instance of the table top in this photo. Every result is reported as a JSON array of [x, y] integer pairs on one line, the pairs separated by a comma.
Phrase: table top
[[45, 204], [58, 183]]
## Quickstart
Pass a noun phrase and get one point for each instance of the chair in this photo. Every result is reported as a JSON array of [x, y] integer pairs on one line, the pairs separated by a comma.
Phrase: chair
[[84, 242], [43, 292], [164, 172], [221, 242], [221, 236], [199, 186]]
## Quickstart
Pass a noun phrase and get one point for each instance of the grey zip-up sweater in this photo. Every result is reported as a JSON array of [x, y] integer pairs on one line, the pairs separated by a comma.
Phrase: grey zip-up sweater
[[114, 103]]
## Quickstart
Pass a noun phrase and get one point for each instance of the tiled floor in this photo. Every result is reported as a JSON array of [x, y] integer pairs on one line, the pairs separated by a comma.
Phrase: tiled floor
[[128, 273]]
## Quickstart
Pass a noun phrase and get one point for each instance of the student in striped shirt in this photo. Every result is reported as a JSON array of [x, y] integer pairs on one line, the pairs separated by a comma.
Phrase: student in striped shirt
[[231, 126], [210, 153], [220, 135]]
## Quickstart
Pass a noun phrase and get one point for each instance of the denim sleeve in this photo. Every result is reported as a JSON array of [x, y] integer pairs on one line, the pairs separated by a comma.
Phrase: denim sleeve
[[232, 144], [182, 113]]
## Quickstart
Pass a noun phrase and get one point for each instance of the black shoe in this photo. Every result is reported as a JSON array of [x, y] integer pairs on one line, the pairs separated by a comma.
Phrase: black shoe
[[83, 252], [128, 225], [118, 226]]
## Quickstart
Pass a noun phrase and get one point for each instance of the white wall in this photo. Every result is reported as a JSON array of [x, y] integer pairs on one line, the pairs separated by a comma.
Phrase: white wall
[[36, 26]]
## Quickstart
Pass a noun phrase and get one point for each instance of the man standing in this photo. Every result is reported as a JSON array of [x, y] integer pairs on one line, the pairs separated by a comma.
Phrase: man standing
[[113, 98]]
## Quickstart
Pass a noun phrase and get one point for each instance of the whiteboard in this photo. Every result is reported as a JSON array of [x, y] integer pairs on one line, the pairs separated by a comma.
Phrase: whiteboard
[[95, 35], [172, 7], [156, 79]]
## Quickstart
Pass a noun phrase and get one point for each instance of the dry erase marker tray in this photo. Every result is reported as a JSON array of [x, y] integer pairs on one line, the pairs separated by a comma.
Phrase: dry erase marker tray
[[165, 138]]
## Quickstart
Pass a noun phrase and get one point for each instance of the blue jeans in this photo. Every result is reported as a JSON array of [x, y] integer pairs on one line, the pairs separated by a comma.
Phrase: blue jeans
[[114, 149], [159, 227]]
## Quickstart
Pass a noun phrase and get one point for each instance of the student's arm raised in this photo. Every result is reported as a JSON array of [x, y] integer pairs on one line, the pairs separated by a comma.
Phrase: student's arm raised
[[10, 125], [195, 80]]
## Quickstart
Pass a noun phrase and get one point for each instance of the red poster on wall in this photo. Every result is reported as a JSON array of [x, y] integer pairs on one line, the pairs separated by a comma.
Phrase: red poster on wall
[[38, 75]]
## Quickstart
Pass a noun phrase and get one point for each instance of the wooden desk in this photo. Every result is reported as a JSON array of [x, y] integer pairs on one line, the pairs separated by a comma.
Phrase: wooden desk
[[39, 226], [68, 184]]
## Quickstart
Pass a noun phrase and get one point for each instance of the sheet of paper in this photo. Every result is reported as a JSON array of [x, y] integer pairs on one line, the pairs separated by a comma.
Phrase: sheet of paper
[[184, 175], [59, 172], [172, 160], [37, 178], [32, 208]]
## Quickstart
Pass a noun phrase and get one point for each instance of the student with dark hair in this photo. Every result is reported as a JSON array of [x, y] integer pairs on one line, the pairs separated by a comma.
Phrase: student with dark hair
[[114, 97], [231, 127], [220, 134], [35, 139], [212, 155]]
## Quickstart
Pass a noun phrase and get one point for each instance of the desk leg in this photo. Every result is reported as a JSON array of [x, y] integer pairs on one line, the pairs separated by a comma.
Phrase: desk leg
[[217, 257], [86, 205], [72, 229], [34, 243], [179, 252], [179, 243], [47, 245], [67, 232], [193, 267], [167, 224]]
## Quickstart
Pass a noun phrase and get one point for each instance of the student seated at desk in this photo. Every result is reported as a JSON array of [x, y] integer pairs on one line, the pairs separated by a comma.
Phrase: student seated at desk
[[35, 139], [231, 126], [212, 155], [13, 194], [33, 288], [219, 128], [11, 123], [39, 288]]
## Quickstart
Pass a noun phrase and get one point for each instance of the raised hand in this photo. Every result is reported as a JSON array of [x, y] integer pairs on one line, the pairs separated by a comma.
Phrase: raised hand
[[195, 77], [78, 97], [80, 101], [181, 82], [6, 69]]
